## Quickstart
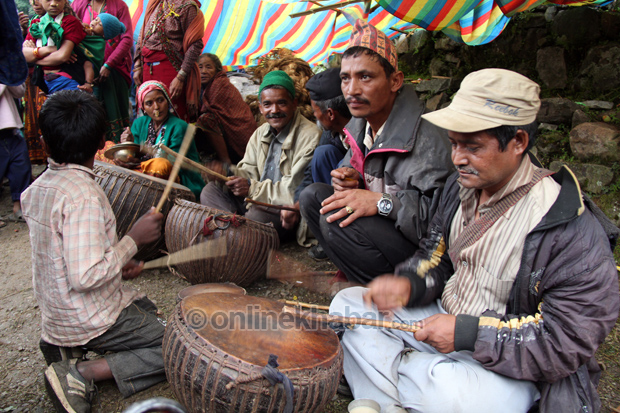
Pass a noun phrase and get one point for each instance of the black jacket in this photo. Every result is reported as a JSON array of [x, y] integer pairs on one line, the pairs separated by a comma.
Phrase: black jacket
[[563, 303]]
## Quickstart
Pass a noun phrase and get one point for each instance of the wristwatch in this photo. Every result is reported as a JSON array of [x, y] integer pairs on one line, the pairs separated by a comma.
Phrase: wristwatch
[[384, 206]]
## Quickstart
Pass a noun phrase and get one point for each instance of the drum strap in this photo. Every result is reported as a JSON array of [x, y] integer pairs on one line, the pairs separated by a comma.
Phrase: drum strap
[[271, 373], [210, 225]]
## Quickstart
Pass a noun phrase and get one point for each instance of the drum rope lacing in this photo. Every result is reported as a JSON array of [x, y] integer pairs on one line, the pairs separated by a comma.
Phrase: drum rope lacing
[[271, 373]]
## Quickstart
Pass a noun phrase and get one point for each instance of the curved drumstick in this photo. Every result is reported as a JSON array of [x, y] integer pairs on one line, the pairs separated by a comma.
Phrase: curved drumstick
[[194, 163], [251, 201], [187, 140], [328, 318]]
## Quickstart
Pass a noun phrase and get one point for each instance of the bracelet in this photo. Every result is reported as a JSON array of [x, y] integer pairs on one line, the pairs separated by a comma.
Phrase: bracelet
[[182, 73], [35, 52], [106, 65]]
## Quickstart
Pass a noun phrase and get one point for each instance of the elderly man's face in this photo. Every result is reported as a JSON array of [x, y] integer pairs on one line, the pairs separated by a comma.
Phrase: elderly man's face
[[366, 88], [277, 107], [480, 161]]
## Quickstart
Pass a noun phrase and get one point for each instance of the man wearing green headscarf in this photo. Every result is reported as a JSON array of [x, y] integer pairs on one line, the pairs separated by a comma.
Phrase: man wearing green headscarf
[[275, 159]]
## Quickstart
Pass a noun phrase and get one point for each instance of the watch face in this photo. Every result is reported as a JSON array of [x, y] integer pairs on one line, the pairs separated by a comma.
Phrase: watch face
[[385, 205]]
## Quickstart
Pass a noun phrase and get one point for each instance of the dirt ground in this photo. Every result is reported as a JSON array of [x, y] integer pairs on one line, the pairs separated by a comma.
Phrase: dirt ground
[[22, 365]]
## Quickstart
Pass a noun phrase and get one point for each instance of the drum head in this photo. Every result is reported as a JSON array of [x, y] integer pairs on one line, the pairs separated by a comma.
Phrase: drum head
[[228, 288], [251, 328]]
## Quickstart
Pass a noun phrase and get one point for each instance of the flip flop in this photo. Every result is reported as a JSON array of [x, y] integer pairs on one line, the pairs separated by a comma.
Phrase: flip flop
[[2, 224], [15, 218]]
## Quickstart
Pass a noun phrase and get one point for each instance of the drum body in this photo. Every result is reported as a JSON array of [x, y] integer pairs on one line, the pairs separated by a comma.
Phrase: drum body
[[249, 244], [216, 345], [228, 288], [131, 195]]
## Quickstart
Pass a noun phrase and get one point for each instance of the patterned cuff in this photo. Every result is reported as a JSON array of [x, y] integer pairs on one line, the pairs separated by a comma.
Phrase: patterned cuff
[[126, 249]]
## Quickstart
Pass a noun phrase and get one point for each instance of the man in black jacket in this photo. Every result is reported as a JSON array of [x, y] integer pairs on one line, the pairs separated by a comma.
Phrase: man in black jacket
[[514, 287], [388, 186]]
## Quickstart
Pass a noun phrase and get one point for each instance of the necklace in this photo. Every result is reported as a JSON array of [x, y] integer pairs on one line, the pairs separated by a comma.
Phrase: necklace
[[91, 9]]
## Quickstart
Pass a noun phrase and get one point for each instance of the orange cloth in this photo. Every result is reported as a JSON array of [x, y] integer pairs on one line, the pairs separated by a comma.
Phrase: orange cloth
[[99, 156], [192, 83], [157, 167]]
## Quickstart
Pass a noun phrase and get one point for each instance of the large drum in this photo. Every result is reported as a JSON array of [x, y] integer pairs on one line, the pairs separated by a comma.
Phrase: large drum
[[216, 346], [249, 244], [228, 288], [131, 195]]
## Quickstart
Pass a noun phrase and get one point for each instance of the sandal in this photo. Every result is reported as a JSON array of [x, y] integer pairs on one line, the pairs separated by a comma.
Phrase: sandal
[[2, 224], [15, 217]]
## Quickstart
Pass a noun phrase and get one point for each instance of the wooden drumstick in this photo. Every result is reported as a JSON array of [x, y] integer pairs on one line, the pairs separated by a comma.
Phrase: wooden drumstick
[[306, 305], [328, 318], [281, 207], [194, 164], [187, 140], [207, 249]]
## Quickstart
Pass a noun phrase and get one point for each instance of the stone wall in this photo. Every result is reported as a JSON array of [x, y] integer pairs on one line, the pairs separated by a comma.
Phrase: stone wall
[[574, 54]]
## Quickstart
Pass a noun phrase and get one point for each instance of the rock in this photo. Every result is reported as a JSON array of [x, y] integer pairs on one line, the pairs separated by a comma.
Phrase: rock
[[244, 84], [438, 67], [592, 140], [579, 117], [599, 69], [552, 144], [610, 25], [418, 40], [598, 104], [433, 85], [550, 13], [547, 126], [577, 27], [535, 20], [447, 44], [402, 45], [592, 178], [551, 67], [557, 111], [451, 58], [436, 101]]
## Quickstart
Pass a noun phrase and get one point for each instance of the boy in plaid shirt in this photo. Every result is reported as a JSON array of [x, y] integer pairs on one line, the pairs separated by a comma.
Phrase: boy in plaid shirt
[[79, 263]]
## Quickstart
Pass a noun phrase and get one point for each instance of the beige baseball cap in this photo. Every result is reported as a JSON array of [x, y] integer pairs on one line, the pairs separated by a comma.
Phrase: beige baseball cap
[[487, 99]]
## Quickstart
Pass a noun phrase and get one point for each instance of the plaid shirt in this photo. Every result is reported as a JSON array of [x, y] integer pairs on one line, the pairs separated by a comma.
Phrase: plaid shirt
[[77, 259]]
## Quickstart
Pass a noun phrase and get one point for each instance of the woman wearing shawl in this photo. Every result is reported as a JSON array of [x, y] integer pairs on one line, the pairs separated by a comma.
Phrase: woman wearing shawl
[[225, 117], [114, 78], [161, 125], [167, 50]]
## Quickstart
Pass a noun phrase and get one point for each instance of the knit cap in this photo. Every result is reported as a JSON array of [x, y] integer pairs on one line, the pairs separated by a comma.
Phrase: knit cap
[[278, 77], [112, 26]]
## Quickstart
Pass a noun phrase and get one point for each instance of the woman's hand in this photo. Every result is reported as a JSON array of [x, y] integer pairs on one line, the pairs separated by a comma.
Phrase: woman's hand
[[86, 87], [127, 136], [137, 76], [103, 74], [176, 88], [29, 43]]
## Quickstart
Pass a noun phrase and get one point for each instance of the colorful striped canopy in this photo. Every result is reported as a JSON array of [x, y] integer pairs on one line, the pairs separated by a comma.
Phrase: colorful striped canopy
[[240, 31], [473, 22]]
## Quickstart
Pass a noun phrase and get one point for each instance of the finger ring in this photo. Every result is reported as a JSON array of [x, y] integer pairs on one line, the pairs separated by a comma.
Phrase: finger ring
[[349, 210]]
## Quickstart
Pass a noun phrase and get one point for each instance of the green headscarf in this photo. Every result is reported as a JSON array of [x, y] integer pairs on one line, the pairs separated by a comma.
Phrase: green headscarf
[[47, 28]]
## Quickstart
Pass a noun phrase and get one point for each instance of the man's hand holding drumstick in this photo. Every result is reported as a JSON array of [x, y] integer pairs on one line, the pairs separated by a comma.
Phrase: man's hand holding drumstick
[[239, 186], [146, 230], [390, 292]]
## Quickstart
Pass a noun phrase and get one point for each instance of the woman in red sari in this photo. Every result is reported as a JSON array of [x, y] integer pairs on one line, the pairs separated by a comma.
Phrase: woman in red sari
[[167, 50]]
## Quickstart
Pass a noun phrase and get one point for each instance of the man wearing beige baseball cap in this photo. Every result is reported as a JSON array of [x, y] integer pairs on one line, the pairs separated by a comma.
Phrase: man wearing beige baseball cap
[[513, 289]]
